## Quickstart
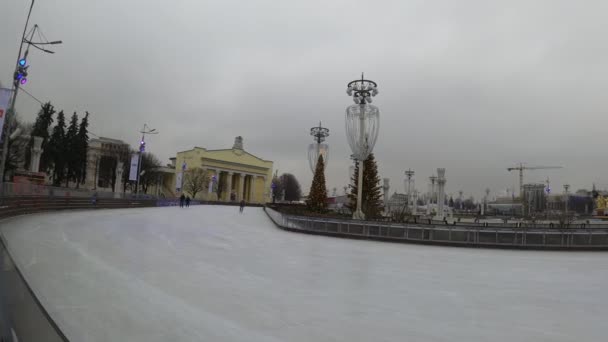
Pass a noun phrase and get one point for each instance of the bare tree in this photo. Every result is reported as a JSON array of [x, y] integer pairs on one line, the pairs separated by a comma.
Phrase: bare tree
[[196, 180]]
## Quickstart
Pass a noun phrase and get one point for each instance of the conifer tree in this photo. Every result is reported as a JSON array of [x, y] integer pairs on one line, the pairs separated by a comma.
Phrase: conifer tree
[[317, 197], [372, 196], [71, 147], [371, 203], [82, 146], [57, 150]]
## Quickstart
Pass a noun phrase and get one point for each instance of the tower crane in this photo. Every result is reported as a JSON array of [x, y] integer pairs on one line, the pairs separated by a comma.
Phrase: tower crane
[[521, 169]]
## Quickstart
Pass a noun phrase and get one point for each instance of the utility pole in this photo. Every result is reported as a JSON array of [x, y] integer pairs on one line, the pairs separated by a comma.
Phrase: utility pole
[[142, 149], [19, 78]]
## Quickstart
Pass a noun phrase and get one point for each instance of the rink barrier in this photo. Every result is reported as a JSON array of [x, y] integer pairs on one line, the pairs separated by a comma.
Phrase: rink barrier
[[453, 235], [14, 206], [21, 313]]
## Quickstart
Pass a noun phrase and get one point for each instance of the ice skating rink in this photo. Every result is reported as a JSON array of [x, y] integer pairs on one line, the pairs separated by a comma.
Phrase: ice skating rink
[[208, 273]]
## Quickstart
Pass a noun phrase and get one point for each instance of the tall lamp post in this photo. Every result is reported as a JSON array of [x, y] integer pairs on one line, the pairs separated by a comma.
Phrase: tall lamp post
[[566, 195], [19, 78], [409, 173], [318, 148], [142, 149], [362, 127]]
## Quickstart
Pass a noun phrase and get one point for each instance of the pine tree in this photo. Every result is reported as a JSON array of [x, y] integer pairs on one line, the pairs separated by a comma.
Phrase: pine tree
[[57, 150], [41, 129], [317, 197], [81, 150], [354, 188], [71, 147], [371, 203], [372, 198]]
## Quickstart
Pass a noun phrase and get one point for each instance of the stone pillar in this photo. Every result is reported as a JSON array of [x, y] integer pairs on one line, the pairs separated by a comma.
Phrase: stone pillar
[[240, 195], [118, 185], [251, 188], [36, 153], [431, 195], [228, 186], [440, 193]]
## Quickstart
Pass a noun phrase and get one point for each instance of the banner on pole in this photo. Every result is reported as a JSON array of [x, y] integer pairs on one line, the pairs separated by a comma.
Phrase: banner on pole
[[178, 181], [134, 167], [5, 98]]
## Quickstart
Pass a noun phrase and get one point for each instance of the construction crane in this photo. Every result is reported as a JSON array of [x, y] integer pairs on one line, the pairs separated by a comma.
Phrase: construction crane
[[521, 169]]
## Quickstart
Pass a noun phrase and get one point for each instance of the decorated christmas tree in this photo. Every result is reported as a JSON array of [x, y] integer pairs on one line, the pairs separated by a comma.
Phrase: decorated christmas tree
[[317, 197]]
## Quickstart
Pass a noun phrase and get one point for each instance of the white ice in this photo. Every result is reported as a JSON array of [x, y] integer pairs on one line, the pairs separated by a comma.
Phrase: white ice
[[208, 273]]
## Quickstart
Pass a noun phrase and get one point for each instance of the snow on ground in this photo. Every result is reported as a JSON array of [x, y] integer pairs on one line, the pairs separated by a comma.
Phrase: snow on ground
[[209, 274]]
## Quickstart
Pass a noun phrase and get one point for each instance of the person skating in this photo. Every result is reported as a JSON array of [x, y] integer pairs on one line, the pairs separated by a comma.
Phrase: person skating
[[182, 198], [242, 206], [187, 201]]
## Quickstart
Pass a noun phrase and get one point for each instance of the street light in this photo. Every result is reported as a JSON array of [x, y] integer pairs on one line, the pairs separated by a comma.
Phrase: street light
[[362, 127], [19, 78], [318, 148], [142, 149]]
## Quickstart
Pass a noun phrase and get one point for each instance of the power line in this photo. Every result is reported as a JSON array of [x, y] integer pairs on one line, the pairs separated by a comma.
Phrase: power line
[[32, 96]]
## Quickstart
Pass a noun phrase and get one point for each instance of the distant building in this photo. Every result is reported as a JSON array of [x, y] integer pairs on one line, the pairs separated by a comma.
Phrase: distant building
[[103, 157], [534, 200], [235, 173]]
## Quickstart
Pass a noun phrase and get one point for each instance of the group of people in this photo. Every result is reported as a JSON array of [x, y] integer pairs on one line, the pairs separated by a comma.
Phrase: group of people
[[184, 201]]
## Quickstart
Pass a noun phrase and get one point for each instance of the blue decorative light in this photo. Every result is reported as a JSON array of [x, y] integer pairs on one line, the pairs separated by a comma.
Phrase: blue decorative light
[[22, 62]]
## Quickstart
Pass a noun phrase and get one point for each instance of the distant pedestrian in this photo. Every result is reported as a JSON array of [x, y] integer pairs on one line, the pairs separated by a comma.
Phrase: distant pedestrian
[[182, 199], [188, 202], [242, 206]]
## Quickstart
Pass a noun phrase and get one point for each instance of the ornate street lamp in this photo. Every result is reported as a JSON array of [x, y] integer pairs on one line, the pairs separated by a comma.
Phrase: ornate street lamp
[[318, 148], [362, 126]]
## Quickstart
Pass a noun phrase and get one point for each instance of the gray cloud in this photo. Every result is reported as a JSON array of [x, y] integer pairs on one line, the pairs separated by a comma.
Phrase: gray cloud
[[472, 86]]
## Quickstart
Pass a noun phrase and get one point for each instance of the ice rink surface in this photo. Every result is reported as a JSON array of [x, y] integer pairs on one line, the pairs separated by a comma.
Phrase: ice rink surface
[[209, 274]]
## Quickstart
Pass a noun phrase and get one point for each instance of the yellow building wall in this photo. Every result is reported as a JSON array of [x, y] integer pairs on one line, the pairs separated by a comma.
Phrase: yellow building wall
[[231, 160]]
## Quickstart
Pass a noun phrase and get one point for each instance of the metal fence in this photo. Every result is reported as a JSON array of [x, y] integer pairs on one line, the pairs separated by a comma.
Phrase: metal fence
[[464, 235]]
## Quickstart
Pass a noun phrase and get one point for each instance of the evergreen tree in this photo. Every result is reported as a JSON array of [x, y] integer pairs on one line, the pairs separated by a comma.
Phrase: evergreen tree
[[317, 197], [57, 150], [277, 187], [293, 192], [41, 129], [354, 188], [82, 147], [71, 148], [371, 203]]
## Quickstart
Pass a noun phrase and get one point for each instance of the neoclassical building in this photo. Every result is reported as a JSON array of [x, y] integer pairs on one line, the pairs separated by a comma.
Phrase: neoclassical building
[[236, 173]]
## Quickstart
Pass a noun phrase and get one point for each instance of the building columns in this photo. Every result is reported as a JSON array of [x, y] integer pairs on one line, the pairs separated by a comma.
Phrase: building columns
[[240, 195], [251, 188], [228, 186]]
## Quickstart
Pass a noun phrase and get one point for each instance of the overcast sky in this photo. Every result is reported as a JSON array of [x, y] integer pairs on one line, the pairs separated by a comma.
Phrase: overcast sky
[[472, 86]]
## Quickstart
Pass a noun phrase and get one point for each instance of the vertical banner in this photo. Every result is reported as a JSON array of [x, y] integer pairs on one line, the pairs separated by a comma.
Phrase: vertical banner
[[134, 167], [5, 98], [178, 181]]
